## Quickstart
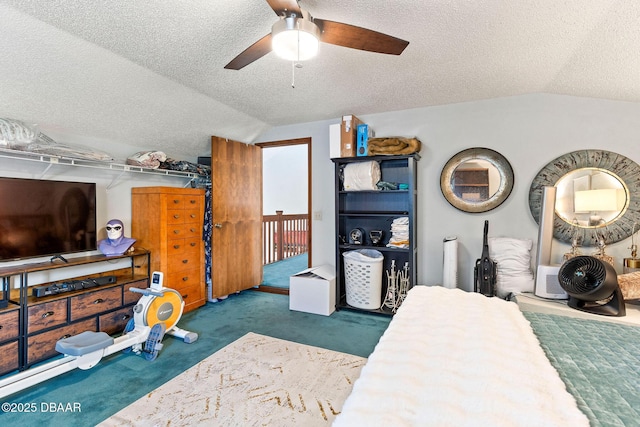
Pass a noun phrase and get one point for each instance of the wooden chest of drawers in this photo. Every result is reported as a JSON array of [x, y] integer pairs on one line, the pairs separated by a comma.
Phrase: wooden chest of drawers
[[168, 221]]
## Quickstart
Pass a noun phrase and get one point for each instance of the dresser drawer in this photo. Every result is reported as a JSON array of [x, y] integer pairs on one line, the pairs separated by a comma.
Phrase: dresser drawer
[[183, 201], [175, 247], [9, 357], [191, 201], [180, 201], [42, 346], [114, 322], [192, 230], [181, 263], [131, 297], [193, 296], [176, 216], [184, 280], [92, 303], [190, 248], [182, 231], [46, 315], [9, 326], [193, 215], [183, 248], [176, 231]]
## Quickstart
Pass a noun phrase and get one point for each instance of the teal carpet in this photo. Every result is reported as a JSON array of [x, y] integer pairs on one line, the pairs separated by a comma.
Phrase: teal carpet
[[277, 273], [120, 379]]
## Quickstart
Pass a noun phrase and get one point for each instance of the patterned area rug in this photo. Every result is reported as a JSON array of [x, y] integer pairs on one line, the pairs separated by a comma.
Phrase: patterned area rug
[[254, 381]]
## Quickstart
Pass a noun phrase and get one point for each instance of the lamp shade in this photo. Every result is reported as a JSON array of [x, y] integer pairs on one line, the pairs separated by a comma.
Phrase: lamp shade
[[295, 39], [605, 200]]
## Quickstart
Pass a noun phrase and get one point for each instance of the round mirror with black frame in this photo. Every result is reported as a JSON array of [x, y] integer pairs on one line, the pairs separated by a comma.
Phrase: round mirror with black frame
[[597, 193], [476, 180]]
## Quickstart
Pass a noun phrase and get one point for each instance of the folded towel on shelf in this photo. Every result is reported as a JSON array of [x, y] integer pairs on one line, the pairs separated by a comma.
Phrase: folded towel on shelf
[[393, 146], [399, 233]]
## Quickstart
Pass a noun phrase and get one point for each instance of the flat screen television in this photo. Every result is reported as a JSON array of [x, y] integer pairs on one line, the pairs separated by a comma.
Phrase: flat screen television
[[44, 217]]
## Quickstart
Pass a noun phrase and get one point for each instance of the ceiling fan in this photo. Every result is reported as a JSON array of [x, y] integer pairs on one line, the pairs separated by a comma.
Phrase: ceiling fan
[[307, 32]]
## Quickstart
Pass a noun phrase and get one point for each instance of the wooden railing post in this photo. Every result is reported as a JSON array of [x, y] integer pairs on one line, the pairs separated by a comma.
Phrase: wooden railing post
[[280, 239], [283, 236]]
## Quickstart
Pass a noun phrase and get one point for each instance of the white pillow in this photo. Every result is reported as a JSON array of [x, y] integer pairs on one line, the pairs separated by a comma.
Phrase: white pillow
[[514, 265]]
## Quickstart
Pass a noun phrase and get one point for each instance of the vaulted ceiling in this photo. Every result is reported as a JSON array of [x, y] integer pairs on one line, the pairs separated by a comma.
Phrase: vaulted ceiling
[[150, 73]]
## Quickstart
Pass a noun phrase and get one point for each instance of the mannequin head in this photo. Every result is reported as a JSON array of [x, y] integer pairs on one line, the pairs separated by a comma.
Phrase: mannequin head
[[115, 229], [115, 243]]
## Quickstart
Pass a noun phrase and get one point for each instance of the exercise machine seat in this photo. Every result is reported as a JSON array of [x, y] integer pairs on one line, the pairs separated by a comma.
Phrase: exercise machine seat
[[84, 343]]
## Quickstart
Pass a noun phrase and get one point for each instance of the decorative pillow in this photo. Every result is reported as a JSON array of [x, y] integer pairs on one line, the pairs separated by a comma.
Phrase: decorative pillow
[[514, 265]]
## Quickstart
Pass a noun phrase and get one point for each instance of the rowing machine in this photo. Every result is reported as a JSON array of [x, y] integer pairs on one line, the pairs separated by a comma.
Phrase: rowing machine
[[156, 314]]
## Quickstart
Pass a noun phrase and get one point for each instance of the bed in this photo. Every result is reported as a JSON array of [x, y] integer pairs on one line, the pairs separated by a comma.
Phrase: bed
[[454, 358]]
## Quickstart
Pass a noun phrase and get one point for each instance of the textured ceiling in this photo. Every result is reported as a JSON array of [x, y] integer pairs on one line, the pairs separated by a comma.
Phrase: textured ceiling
[[150, 73]]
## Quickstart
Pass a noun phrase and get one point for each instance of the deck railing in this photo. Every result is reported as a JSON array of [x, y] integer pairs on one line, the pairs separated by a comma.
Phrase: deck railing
[[283, 236]]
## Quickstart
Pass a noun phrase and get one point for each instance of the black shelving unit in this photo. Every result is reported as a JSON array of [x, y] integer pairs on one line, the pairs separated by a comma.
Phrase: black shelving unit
[[376, 210]]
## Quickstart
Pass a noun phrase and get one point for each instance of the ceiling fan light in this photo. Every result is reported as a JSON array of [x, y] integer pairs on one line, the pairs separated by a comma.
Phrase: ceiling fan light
[[295, 39]]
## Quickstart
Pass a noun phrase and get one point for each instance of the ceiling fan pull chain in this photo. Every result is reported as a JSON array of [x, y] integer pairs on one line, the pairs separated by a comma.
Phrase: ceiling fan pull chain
[[293, 74]]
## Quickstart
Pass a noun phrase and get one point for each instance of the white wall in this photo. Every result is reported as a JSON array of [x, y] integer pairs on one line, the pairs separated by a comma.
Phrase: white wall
[[529, 130]]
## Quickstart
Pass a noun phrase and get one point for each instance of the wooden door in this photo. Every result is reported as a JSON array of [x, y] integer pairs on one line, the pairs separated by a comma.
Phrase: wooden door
[[236, 251]]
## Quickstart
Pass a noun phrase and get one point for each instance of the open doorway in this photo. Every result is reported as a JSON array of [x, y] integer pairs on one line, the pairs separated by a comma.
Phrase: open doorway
[[286, 192]]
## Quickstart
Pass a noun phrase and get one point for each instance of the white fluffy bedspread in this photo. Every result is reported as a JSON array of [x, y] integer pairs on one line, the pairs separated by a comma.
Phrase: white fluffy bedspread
[[453, 358]]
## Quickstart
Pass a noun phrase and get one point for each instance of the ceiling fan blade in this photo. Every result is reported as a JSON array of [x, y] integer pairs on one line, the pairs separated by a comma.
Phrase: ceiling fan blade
[[359, 38], [284, 7], [250, 54]]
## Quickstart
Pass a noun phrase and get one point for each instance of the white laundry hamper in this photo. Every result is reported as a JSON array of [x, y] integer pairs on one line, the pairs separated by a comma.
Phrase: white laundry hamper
[[363, 278]]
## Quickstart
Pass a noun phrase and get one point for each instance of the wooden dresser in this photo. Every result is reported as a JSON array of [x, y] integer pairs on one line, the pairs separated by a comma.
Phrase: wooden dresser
[[168, 222]]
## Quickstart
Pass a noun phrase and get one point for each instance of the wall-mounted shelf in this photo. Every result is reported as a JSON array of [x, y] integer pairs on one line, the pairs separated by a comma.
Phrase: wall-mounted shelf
[[51, 160]]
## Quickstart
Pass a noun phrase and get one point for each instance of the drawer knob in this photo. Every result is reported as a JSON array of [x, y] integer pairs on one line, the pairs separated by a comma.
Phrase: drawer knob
[[98, 301], [217, 225], [125, 317], [193, 244], [47, 314], [193, 230], [176, 216], [185, 261], [176, 246], [176, 231], [185, 296], [192, 201], [65, 336], [176, 201], [193, 215], [184, 279]]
